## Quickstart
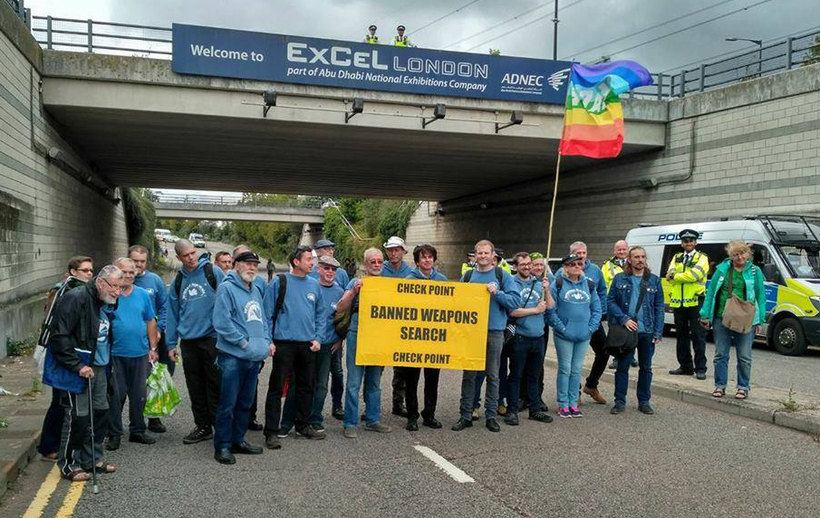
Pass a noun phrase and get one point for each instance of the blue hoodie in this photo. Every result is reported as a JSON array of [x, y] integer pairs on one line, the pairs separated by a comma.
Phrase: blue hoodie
[[592, 271], [505, 299], [531, 326], [152, 283], [241, 328], [435, 275], [298, 320], [401, 273], [191, 317], [577, 311], [342, 278]]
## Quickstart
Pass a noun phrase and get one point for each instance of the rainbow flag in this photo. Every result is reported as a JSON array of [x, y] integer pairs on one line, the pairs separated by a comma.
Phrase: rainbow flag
[[594, 118]]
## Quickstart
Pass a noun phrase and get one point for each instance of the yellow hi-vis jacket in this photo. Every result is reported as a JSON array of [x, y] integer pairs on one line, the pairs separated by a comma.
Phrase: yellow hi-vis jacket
[[689, 280], [610, 269], [371, 39], [402, 41]]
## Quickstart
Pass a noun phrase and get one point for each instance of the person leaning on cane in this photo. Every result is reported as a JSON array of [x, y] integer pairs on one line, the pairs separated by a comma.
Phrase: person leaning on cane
[[735, 306], [80, 347]]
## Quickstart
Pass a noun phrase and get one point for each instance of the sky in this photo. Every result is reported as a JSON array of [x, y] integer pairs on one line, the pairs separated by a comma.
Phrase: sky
[[588, 29]]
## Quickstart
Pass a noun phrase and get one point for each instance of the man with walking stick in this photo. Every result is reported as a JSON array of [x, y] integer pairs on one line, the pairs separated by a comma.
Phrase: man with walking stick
[[76, 362]]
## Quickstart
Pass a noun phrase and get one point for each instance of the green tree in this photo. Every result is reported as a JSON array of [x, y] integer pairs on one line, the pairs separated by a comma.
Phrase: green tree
[[140, 219], [813, 53], [495, 52]]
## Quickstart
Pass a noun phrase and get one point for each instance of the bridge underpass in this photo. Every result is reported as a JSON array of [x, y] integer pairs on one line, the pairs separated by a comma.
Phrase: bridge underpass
[[234, 212], [195, 132]]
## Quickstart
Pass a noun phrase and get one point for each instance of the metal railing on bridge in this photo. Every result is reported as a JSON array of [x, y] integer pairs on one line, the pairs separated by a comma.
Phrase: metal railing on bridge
[[19, 8], [155, 42], [305, 202]]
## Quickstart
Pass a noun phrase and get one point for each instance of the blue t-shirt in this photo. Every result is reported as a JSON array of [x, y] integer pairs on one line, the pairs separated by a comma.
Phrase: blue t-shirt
[[633, 301], [130, 328], [103, 354], [152, 283], [354, 318], [328, 298]]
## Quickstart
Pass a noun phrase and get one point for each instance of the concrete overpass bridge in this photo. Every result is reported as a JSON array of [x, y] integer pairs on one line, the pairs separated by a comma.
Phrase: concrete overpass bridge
[[212, 133], [218, 208]]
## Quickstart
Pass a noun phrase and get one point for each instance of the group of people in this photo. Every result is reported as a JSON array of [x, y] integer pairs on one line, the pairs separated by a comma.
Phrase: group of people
[[399, 40], [225, 321]]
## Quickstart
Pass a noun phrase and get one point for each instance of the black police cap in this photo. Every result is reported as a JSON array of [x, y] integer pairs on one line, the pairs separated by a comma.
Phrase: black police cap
[[372, 27], [688, 233]]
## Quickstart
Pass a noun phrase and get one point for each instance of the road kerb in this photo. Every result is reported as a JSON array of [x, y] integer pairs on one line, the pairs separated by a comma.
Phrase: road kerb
[[808, 422]]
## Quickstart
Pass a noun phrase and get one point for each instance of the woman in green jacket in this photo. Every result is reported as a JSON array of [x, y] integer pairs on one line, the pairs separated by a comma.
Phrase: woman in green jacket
[[747, 284]]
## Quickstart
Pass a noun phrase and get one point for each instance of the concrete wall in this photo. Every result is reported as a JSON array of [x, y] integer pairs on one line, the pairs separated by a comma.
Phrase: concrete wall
[[46, 213], [751, 148]]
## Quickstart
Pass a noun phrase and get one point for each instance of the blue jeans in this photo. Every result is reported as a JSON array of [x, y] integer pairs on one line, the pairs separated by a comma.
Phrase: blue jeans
[[372, 376], [504, 373], [337, 378], [235, 399], [479, 382], [570, 360], [646, 349], [724, 340], [526, 362], [495, 341]]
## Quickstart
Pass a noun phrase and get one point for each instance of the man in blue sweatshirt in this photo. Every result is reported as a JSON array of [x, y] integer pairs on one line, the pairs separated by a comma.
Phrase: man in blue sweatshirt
[[152, 283], [296, 334], [326, 247], [190, 320], [243, 341], [396, 268], [504, 297]]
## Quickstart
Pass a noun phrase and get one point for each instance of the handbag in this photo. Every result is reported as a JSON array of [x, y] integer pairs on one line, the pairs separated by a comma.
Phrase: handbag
[[738, 315], [620, 341]]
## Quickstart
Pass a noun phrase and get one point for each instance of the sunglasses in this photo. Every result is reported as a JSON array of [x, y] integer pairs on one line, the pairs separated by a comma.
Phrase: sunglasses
[[86, 270], [576, 263]]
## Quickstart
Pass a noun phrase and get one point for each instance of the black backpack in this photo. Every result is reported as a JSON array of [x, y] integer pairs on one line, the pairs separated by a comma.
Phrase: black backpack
[[54, 296], [499, 275], [209, 276]]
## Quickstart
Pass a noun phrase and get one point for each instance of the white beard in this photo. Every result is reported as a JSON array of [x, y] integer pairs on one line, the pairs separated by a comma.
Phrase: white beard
[[248, 276]]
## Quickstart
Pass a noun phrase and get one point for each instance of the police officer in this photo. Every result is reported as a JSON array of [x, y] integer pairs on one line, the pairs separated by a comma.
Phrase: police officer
[[400, 40], [687, 284], [371, 37]]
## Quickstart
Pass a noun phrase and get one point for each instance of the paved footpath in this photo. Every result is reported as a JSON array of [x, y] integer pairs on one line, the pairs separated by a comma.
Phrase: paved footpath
[[686, 460]]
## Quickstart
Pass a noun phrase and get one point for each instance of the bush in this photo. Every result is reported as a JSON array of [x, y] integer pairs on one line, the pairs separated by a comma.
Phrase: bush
[[140, 220]]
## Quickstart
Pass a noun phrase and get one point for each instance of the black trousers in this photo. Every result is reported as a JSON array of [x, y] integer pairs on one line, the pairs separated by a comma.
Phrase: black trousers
[[597, 342], [297, 356], [202, 378], [128, 376], [411, 377], [52, 425], [688, 328], [399, 385]]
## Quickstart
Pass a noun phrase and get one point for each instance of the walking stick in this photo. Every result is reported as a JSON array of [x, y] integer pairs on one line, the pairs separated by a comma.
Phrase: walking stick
[[94, 487]]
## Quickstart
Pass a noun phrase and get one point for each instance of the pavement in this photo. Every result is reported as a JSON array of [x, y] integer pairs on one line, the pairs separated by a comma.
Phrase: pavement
[[685, 460]]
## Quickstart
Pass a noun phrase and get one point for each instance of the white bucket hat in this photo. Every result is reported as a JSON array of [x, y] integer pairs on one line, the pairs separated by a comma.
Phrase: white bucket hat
[[395, 242]]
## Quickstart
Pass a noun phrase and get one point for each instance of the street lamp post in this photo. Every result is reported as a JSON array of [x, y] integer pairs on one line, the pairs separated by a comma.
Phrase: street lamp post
[[555, 33], [759, 44]]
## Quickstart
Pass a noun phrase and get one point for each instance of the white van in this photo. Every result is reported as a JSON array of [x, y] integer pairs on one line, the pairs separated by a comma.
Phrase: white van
[[787, 250], [162, 234], [197, 240]]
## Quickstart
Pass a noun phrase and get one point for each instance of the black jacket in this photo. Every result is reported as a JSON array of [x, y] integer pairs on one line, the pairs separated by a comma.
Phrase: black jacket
[[76, 324]]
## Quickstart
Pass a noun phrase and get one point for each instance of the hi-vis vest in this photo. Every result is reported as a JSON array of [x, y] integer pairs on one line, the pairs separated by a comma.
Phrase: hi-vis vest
[[371, 39], [689, 280], [610, 270], [402, 41]]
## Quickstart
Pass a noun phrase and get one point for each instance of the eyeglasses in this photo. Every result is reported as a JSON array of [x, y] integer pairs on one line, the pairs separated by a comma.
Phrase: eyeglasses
[[115, 288], [86, 270], [576, 264]]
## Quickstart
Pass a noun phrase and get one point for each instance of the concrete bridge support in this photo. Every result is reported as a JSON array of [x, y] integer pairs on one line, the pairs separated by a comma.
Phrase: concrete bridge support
[[52, 205]]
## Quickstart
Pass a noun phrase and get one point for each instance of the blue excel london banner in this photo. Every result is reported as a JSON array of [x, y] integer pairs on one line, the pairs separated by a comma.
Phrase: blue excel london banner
[[292, 59]]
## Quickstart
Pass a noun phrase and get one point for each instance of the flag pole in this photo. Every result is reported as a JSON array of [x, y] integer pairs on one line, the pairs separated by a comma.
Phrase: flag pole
[[552, 209]]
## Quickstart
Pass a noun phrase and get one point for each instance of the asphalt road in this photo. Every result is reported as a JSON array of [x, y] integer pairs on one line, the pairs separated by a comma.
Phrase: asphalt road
[[683, 461]]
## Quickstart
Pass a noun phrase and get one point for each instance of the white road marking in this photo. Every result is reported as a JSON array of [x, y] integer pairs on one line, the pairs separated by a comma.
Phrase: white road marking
[[447, 466]]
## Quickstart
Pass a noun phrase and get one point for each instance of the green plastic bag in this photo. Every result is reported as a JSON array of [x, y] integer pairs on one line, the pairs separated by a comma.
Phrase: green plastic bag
[[163, 396]]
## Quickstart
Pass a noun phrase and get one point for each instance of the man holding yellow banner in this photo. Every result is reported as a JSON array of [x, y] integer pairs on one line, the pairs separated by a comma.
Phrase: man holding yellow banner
[[504, 297]]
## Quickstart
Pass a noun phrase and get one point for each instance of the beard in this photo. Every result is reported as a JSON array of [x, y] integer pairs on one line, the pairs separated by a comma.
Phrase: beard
[[247, 276], [108, 299]]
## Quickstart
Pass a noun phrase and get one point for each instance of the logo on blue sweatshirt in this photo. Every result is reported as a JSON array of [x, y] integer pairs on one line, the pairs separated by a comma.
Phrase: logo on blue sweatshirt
[[576, 295], [311, 297], [102, 337], [192, 292], [252, 311]]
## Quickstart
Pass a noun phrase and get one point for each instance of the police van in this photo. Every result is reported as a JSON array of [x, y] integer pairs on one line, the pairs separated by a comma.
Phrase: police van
[[785, 248]]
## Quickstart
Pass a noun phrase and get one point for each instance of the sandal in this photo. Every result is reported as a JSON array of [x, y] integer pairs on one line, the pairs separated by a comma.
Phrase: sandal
[[741, 394], [719, 392], [78, 475], [106, 468]]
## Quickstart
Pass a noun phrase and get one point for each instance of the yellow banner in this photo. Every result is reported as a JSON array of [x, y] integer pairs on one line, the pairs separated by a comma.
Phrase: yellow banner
[[416, 323]]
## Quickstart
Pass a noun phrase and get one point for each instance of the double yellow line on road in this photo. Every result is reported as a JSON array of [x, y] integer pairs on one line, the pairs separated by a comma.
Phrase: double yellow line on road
[[47, 488]]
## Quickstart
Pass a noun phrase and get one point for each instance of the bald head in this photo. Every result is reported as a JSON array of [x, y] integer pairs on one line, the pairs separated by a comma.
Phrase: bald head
[[620, 249]]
